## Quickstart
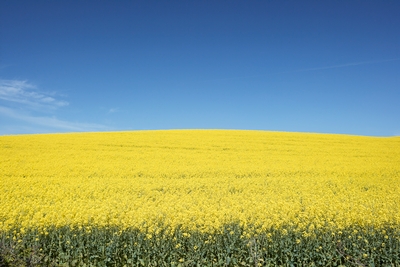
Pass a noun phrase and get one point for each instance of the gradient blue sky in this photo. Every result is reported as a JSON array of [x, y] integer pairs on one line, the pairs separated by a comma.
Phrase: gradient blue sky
[[304, 66]]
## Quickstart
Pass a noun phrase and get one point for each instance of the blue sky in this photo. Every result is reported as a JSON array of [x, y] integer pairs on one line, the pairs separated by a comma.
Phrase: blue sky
[[303, 66]]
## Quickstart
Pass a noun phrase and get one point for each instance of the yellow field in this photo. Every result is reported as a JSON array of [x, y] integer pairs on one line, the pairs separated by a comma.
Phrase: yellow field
[[199, 179]]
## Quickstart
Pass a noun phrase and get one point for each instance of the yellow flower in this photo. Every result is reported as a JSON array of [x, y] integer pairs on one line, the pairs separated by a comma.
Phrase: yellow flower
[[199, 180], [186, 235]]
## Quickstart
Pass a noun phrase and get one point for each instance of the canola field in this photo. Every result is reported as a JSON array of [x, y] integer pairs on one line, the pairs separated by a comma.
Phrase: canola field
[[200, 198]]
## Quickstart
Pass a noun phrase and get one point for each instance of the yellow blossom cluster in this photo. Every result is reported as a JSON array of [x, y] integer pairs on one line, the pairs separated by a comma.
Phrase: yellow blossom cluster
[[199, 180]]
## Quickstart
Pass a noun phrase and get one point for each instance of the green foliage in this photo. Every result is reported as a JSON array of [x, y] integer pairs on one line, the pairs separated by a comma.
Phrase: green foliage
[[111, 246]]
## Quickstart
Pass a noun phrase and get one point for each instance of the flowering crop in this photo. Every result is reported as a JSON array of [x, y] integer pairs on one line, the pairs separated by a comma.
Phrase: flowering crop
[[200, 181]]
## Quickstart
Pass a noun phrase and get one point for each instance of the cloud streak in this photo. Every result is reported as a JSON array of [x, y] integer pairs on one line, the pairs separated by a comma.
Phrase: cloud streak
[[50, 122], [310, 69], [345, 65], [113, 110], [22, 92], [24, 103]]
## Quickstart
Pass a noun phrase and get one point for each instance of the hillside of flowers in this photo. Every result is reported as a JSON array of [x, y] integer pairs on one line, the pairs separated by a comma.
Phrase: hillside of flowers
[[199, 198]]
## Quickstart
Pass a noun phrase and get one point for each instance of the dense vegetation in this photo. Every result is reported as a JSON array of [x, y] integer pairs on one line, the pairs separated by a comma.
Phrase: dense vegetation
[[199, 198]]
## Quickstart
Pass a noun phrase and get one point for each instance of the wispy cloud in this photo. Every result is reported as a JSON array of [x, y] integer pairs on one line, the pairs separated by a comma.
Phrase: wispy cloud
[[113, 110], [21, 101], [311, 69], [22, 92], [347, 65], [50, 122]]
